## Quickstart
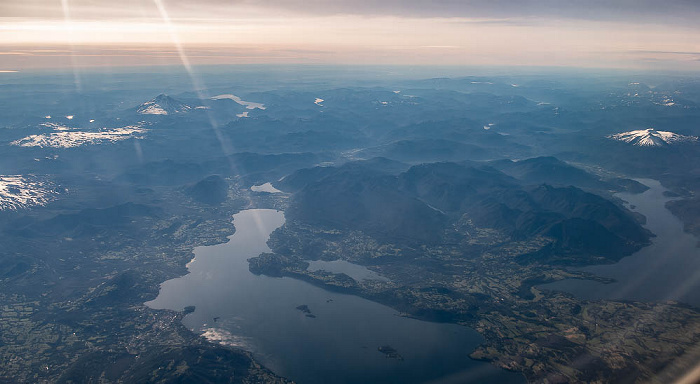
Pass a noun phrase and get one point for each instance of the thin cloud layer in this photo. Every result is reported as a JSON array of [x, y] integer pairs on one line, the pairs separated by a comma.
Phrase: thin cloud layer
[[592, 33], [651, 11]]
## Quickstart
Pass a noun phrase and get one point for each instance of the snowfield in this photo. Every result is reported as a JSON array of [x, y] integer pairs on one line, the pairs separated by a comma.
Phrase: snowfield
[[19, 192], [66, 138]]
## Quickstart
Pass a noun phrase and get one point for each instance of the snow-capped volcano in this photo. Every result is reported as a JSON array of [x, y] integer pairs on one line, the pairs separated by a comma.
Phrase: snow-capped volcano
[[651, 138], [163, 105]]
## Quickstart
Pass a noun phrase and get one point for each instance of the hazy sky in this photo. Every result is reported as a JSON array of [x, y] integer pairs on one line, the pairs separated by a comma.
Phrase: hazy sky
[[584, 33]]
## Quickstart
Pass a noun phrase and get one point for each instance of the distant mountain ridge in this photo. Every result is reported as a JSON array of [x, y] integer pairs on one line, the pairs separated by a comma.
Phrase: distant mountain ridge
[[361, 199], [423, 203], [549, 170]]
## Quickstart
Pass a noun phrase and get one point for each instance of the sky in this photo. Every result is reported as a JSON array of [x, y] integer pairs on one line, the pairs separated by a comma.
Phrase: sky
[[636, 34]]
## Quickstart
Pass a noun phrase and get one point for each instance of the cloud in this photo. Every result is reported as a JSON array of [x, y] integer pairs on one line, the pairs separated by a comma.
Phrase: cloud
[[129, 55], [670, 52], [627, 10], [676, 12], [455, 32]]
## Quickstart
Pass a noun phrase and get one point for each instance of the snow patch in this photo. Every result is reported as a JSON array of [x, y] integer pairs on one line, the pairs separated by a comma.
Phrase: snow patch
[[152, 110]]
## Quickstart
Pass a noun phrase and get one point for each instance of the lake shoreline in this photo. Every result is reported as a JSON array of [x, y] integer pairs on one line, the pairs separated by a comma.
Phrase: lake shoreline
[[355, 298], [637, 277]]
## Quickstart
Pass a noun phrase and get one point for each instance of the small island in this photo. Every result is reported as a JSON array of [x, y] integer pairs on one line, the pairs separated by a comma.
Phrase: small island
[[305, 308], [390, 352]]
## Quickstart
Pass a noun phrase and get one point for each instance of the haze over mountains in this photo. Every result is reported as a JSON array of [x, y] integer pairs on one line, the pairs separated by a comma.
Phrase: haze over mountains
[[465, 194], [430, 198]]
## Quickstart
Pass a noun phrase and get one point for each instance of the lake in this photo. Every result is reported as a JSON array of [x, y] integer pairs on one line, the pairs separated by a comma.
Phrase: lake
[[357, 272], [668, 269], [339, 344]]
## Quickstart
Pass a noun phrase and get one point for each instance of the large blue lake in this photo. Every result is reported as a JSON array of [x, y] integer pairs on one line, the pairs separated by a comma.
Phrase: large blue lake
[[339, 345]]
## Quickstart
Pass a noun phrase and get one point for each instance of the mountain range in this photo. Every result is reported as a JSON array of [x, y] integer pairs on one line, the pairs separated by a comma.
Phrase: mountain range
[[425, 202]]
